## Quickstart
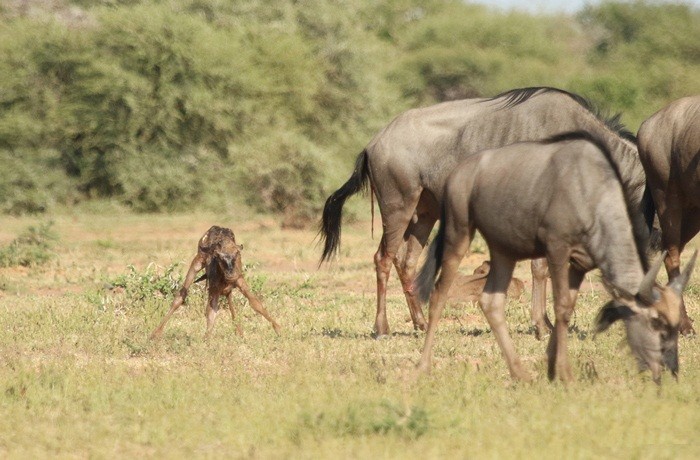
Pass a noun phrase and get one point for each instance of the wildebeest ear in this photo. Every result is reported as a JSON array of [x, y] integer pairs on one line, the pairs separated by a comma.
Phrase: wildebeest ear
[[240, 247], [610, 313]]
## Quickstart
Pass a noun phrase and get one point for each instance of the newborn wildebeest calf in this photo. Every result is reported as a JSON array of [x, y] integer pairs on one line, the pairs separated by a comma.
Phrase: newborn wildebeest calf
[[220, 257], [561, 199]]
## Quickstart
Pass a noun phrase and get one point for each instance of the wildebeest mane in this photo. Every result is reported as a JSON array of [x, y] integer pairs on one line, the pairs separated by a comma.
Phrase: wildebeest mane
[[515, 97], [639, 229]]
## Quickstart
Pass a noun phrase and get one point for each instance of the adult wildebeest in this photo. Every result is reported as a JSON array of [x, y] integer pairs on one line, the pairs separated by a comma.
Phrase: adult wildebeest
[[220, 258], [669, 147], [408, 161], [561, 199]]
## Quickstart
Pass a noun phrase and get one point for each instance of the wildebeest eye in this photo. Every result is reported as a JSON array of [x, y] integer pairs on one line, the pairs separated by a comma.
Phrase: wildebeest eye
[[659, 325]]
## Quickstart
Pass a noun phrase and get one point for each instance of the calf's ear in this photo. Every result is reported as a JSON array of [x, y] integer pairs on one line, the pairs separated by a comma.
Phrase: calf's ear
[[610, 313]]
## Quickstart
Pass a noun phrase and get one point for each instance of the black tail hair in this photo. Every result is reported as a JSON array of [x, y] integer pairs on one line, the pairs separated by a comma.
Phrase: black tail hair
[[640, 228], [333, 209], [655, 242], [425, 281]]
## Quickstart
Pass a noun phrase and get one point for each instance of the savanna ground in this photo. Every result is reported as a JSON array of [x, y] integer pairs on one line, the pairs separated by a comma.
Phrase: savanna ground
[[78, 377]]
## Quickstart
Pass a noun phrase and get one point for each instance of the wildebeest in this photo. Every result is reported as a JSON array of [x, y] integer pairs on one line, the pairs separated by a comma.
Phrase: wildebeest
[[220, 257], [669, 147], [562, 199], [407, 163]]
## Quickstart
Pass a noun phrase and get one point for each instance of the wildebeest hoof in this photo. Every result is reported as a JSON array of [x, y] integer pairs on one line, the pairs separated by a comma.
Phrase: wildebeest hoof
[[420, 326], [541, 331], [422, 368]]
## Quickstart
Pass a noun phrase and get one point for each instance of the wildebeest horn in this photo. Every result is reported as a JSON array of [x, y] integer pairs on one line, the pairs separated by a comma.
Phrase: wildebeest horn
[[646, 289], [679, 283]]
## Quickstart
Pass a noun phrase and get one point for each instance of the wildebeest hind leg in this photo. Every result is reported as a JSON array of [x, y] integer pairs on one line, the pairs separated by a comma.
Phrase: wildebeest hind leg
[[674, 224], [395, 222], [232, 309], [416, 236]]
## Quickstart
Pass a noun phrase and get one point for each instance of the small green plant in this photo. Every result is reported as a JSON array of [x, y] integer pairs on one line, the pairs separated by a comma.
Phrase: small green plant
[[31, 248], [153, 282]]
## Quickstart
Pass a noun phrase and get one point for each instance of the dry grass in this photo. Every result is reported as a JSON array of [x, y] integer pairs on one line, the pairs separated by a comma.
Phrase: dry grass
[[79, 378]]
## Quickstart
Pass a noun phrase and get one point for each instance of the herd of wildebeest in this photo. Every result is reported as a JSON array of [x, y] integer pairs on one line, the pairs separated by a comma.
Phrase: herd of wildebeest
[[542, 175]]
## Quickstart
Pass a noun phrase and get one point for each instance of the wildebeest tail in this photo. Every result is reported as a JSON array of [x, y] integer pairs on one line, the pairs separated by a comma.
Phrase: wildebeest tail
[[333, 209], [655, 242], [425, 281]]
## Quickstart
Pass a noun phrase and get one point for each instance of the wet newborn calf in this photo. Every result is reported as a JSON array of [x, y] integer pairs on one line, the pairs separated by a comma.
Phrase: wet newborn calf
[[220, 257]]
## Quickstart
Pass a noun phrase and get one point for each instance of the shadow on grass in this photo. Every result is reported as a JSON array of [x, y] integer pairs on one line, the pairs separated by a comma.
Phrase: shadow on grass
[[337, 333]]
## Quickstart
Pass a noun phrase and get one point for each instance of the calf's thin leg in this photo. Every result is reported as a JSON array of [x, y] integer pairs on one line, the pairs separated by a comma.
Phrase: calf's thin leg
[[256, 304], [195, 267], [539, 298]]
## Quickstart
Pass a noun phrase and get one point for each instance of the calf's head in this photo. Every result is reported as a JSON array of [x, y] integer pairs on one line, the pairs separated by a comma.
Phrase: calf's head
[[652, 318], [226, 256]]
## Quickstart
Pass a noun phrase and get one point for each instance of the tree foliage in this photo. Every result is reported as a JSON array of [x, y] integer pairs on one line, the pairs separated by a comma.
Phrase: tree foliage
[[169, 104]]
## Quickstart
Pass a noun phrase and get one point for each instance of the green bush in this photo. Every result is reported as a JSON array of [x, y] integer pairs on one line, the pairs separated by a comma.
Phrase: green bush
[[32, 182], [31, 248], [165, 105], [138, 287], [283, 174]]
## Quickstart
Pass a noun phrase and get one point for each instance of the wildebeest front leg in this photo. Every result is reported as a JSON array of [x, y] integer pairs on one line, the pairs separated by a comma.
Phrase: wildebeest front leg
[[539, 298], [195, 267], [492, 303], [453, 253], [566, 282], [256, 304]]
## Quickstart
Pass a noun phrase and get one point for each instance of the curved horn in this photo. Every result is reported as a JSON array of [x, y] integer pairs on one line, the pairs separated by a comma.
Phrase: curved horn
[[679, 283], [646, 289]]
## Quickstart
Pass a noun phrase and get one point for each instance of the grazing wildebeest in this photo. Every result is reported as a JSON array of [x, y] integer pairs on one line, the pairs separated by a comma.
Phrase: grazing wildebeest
[[408, 161], [669, 147], [220, 257], [561, 199]]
